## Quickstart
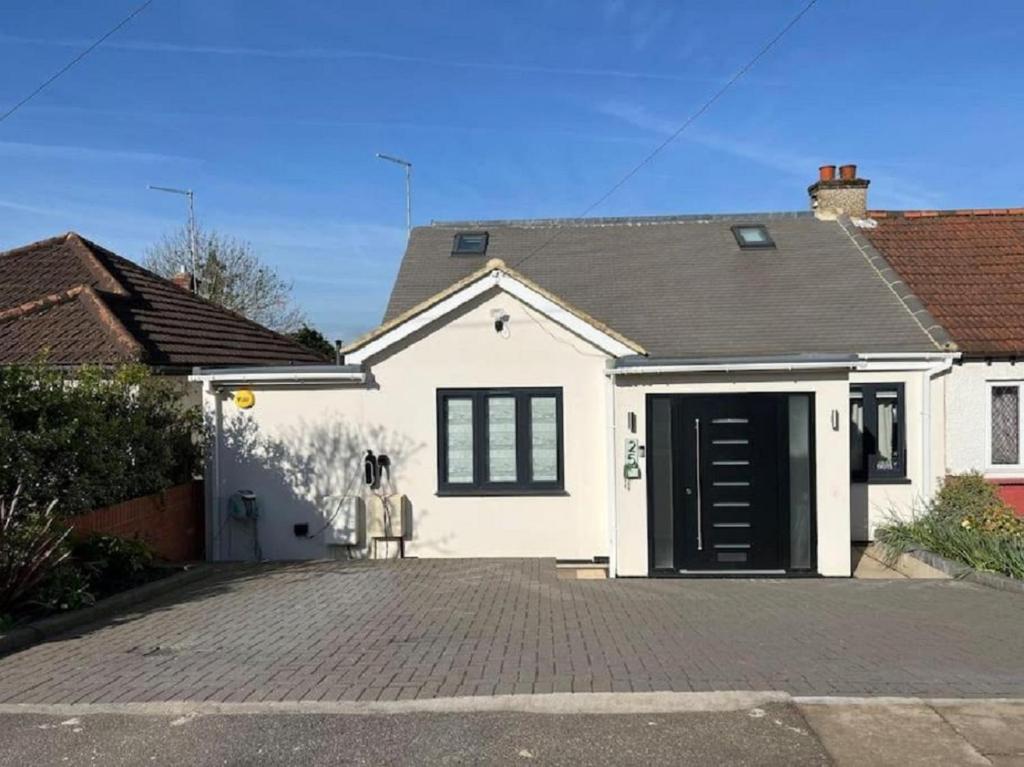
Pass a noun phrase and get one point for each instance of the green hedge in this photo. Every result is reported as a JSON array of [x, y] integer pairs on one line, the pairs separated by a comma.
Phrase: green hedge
[[91, 436]]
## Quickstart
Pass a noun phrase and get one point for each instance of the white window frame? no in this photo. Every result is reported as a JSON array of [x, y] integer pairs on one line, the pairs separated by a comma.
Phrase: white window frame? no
[[1004, 469]]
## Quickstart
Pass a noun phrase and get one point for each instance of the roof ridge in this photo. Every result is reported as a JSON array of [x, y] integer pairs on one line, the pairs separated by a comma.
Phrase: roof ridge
[[111, 322], [620, 220], [940, 213], [38, 304], [907, 297], [91, 299], [86, 252], [45, 241]]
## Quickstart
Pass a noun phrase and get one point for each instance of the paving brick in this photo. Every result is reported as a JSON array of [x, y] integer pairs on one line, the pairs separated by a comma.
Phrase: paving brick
[[430, 628]]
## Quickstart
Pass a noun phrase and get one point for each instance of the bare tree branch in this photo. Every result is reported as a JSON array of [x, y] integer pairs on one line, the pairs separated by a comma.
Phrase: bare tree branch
[[230, 274]]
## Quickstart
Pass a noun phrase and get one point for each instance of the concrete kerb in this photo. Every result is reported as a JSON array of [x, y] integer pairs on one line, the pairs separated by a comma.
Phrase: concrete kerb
[[548, 703], [963, 572], [38, 631], [544, 703]]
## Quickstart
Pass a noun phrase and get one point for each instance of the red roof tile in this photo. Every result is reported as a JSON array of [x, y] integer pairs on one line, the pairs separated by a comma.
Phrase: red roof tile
[[81, 303], [967, 266]]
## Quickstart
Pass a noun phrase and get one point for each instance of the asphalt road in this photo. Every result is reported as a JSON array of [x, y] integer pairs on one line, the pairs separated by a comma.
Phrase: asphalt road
[[775, 734]]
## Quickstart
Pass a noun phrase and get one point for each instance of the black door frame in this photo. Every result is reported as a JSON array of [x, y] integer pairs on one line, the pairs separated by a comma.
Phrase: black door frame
[[783, 500]]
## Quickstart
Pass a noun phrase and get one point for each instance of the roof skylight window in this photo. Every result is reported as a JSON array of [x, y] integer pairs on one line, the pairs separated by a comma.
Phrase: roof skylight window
[[470, 244], [752, 236]]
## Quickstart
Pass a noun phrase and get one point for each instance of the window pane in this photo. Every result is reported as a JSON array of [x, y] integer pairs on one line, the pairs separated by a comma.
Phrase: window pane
[[799, 482], [501, 439], [663, 517], [856, 432], [752, 234], [1005, 425], [543, 439], [887, 456], [460, 441]]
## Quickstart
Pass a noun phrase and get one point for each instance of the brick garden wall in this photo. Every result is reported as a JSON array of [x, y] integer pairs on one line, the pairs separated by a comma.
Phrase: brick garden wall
[[1012, 491], [170, 521]]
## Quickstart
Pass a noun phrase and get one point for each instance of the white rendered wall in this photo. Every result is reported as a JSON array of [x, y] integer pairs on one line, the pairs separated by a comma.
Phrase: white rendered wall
[[298, 445], [967, 411]]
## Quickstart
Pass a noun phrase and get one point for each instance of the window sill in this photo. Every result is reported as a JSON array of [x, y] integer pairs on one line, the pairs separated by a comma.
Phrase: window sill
[[483, 493], [882, 481]]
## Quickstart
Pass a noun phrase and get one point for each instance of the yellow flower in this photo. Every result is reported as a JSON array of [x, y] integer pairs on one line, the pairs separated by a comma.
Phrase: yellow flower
[[965, 522]]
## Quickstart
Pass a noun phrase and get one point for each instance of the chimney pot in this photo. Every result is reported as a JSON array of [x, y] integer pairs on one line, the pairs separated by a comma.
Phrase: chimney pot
[[832, 197]]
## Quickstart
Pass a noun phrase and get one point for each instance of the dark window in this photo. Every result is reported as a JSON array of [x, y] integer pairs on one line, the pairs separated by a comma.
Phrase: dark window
[[470, 244], [752, 236], [878, 433], [499, 441]]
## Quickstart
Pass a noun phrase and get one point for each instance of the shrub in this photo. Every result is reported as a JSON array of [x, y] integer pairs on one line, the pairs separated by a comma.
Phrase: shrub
[[65, 587], [92, 436], [966, 522], [975, 503], [31, 547], [112, 564]]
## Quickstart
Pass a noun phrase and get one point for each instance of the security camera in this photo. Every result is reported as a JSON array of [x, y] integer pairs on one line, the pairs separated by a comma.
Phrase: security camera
[[501, 319]]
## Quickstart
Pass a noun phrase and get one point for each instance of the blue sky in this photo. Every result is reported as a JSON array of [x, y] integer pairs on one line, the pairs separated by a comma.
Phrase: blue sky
[[273, 111]]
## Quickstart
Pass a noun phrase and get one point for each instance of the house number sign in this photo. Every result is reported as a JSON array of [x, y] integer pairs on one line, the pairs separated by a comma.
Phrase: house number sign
[[632, 465]]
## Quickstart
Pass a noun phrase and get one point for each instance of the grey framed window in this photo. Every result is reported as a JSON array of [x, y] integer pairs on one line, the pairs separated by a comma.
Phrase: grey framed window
[[878, 433], [470, 244], [499, 441]]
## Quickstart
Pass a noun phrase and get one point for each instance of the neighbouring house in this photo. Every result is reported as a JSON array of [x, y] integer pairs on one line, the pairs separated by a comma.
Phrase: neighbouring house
[[78, 303], [671, 395], [967, 266]]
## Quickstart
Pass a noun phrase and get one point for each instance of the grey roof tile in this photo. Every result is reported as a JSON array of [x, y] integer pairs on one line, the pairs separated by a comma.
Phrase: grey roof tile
[[682, 287]]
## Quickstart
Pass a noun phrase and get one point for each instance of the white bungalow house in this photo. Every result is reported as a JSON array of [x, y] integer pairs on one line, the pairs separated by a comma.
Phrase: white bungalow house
[[675, 395]]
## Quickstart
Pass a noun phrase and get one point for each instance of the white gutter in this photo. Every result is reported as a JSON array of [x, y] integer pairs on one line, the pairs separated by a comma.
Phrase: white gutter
[[613, 515], [297, 378], [909, 355], [733, 367]]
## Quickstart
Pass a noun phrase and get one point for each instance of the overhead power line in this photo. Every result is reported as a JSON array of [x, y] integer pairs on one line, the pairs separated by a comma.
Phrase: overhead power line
[[74, 61], [678, 132]]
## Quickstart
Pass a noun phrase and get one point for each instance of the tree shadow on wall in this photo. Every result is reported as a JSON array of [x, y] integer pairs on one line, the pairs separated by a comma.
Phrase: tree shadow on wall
[[299, 475]]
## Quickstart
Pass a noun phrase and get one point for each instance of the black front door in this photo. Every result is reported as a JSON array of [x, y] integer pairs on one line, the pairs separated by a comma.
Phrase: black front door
[[727, 482], [730, 482]]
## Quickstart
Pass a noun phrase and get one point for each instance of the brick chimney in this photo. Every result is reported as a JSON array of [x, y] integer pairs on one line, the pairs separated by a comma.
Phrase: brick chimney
[[832, 197], [183, 280]]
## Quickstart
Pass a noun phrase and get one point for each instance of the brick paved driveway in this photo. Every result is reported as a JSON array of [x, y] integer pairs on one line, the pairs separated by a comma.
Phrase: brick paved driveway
[[479, 627]]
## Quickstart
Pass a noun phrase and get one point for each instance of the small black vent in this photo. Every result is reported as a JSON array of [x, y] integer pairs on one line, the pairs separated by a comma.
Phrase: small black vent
[[470, 244], [752, 236]]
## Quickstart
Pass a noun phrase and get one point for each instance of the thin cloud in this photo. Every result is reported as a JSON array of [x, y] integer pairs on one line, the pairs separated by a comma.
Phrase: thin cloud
[[340, 54], [892, 188], [70, 152]]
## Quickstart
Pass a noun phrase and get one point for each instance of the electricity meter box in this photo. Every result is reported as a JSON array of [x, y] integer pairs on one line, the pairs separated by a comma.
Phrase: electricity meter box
[[389, 517], [346, 521]]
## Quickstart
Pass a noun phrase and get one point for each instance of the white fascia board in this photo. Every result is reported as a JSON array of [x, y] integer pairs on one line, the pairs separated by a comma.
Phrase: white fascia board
[[895, 361], [735, 367], [513, 287], [565, 318], [296, 379]]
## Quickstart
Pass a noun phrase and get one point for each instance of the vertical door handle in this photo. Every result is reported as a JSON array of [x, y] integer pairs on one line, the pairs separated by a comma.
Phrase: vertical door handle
[[700, 526]]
